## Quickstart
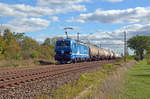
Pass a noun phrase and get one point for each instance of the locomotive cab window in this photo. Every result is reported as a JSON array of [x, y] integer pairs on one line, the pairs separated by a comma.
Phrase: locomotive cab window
[[63, 43]]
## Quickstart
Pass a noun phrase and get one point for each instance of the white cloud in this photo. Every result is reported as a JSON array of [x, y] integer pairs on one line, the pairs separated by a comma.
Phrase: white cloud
[[27, 24], [63, 6], [21, 10], [71, 8], [131, 15], [55, 19], [72, 19], [59, 3], [137, 29], [26, 18], [41, 37], [29, 18], [113, 0], [79, 8]]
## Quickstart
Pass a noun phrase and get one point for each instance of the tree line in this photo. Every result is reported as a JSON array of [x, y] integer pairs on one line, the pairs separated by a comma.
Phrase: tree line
[[18, 46]]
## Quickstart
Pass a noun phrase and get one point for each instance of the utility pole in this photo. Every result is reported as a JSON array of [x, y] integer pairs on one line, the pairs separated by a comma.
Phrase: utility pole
[[67, 28], [78, 37], [125, 46]]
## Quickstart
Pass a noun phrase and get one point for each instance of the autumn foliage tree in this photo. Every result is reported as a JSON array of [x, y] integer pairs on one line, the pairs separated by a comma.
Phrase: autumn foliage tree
[[47, 49], [18, 46], [11, 47], [29, 48]]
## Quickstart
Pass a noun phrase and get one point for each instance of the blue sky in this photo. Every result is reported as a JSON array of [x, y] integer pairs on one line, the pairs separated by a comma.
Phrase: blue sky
[[40, 19]]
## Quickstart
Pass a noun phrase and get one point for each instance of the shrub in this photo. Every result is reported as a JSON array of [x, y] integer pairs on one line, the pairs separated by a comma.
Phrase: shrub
[[34, 55]]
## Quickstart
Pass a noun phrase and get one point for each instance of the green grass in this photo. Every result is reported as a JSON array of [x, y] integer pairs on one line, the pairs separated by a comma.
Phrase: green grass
[[137, 84]]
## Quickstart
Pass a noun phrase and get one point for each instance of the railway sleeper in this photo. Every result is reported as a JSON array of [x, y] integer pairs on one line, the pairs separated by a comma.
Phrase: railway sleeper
[[21, 82], [7, 79], [1, 79], [16, 83]]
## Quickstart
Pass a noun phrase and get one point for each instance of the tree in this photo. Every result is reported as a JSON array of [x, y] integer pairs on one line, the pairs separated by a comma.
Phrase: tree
[[19, 36], [139, 44], [46, 52], [47, 49], [18, 46], [8, 35], [47, 42], [10, 47], [30, 48]]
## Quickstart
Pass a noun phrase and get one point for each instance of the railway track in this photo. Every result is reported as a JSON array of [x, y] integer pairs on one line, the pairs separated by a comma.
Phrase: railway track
[[18, 76]]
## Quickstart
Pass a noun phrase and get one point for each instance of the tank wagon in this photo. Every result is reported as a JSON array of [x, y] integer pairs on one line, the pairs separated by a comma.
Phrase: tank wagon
[[68, 50]]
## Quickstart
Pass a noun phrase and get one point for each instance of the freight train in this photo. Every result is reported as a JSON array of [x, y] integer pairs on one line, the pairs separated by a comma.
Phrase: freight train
[[68, 50]]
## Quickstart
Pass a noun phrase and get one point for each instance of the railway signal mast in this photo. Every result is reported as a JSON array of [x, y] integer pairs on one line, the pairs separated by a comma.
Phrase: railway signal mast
[[67, 28]]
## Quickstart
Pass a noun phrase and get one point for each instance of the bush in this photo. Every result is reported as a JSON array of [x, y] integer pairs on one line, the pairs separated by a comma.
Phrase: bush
[[34, 55]]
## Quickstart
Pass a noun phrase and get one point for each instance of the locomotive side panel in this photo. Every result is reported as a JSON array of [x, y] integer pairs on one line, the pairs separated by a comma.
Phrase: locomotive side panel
[[80, 52]]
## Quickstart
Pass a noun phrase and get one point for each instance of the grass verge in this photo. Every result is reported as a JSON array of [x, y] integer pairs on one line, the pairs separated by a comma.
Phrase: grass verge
[[137, 84]]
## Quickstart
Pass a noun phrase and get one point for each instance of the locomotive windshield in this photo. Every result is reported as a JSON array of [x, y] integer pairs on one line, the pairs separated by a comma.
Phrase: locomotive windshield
[[62, 43]]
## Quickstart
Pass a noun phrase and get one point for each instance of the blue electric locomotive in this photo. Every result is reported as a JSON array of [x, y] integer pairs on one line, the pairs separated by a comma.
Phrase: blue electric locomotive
[[68, 50]]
